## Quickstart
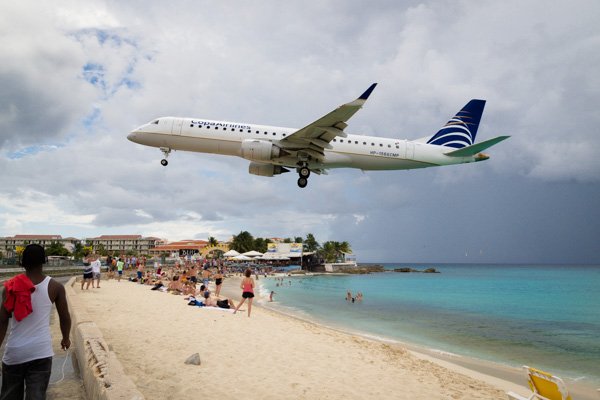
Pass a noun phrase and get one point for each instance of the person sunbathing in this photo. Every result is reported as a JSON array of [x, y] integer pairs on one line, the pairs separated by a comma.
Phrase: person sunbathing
[[211, 302]]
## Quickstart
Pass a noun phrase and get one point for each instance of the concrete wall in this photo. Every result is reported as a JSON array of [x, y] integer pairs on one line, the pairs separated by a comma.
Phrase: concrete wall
[[102, 373], [339, 267]]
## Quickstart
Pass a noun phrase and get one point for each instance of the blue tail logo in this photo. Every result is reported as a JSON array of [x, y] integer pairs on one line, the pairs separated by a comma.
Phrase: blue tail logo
[[461, 130]]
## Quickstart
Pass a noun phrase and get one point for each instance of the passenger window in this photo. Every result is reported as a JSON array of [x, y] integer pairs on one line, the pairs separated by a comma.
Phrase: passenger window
[[365, 143], [216, 127], [341, 140], [356, 142], [284, 134], [397, 147], [191, 125], [273, 133], [207, 127], [389, 146], [380, 144], [372, 144], [334, 140]]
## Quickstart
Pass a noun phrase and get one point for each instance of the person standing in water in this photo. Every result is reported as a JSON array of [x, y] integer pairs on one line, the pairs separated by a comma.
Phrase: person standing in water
[[247, 287]]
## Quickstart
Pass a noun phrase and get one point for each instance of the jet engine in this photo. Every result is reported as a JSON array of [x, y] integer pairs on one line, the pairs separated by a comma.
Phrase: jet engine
[[269, 170], [259, 150]]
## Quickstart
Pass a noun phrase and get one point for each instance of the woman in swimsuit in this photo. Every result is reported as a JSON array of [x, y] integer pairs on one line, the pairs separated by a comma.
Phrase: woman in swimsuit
[[218, 282], [247, 286]]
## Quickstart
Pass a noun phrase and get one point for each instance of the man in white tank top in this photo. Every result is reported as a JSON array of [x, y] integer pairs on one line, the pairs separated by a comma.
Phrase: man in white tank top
[[27, 360]]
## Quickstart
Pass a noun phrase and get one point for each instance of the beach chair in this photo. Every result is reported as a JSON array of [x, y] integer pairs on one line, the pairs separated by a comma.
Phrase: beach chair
[[543, 385]]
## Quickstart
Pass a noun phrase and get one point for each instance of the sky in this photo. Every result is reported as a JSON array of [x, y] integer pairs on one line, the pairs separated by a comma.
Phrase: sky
[[76, 77]]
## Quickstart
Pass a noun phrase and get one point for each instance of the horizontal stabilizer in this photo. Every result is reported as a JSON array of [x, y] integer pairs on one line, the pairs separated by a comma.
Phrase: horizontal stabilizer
[[476, 148]]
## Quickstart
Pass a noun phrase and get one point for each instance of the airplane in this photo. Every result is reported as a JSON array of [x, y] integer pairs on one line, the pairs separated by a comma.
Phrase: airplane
[[320, 145]]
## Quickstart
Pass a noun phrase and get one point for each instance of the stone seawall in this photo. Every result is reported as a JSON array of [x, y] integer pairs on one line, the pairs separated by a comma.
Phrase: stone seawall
[[102, 373]]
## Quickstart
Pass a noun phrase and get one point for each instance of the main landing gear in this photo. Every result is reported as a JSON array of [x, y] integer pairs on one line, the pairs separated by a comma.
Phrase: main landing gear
[[304, 173], [165, 151]]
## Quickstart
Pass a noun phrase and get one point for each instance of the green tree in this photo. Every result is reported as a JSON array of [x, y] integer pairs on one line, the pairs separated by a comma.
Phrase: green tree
[[57, 249], [287, 240], [310, 243], [78, 251], [102, 250], [242, 242], [340, 248], [327, 251], [260, 245], [212, 241], [298, 239]]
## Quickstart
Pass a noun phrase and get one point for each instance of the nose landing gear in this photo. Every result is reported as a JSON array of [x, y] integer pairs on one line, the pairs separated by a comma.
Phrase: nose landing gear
[[165, 151]]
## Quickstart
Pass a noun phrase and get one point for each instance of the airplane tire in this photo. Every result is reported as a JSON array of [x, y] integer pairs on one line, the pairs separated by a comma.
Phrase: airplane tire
[[164, 162], [304, 172], [302, 182]]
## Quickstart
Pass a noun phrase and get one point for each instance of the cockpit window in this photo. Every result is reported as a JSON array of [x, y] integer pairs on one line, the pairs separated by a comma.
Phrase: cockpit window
[[155, 122]]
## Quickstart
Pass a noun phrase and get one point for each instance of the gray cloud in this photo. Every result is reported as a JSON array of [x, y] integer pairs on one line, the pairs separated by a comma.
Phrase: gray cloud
[[74, 88]]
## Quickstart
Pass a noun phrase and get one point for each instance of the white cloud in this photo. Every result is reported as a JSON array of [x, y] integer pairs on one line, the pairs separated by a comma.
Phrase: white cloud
[[77, 77]]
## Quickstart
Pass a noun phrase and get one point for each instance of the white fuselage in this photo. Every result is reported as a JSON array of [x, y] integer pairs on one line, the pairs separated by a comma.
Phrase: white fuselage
[[353, 151]]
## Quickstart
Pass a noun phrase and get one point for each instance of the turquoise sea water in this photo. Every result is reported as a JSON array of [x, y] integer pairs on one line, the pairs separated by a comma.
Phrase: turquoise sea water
[[545, 316]]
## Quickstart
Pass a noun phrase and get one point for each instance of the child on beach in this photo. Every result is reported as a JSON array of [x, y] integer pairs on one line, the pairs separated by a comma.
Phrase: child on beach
[[247, 286], [271, 296]]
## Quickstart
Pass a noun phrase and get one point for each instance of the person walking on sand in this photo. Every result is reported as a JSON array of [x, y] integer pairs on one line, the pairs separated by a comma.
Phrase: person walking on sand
[[96, 266], [27, 301], [218, 282], [88, 274], [247, 287]]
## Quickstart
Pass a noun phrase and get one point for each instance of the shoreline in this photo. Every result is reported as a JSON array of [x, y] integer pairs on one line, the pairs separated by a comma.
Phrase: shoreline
[[505, 377], [269, 355]]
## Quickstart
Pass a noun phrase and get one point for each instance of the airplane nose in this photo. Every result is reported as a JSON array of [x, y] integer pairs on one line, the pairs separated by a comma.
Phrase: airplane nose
[[131, 136]]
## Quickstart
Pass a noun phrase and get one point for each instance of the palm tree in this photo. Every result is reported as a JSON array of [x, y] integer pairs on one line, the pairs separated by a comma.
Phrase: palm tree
[[310, 243], [212, 241], [242, 242], [327, 251]]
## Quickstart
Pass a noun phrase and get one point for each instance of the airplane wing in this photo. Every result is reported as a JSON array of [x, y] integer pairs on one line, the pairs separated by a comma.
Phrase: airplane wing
[[313, 139]]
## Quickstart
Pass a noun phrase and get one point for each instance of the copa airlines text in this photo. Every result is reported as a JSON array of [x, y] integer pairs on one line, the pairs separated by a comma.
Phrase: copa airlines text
[[320, 145]]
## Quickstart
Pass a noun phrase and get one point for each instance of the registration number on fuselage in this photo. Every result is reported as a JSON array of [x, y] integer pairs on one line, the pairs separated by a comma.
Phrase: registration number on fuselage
[[384, 154]]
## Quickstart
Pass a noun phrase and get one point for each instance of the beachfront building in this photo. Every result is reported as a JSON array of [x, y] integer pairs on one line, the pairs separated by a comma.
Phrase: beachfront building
[[180, 248], [191, 248], [9, 243], [124, 243]]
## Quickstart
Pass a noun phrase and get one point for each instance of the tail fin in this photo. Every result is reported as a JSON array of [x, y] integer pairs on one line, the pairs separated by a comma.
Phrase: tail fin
[[461, 130]]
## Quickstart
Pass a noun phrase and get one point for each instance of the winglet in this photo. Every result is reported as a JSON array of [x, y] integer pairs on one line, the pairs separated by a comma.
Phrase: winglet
[[367, 93]]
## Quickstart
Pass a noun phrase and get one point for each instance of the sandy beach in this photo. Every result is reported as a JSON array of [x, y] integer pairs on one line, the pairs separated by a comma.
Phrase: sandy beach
[[266, 356]]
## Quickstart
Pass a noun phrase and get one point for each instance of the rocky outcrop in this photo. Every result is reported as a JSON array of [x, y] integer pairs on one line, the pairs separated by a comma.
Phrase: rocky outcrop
[[427, 271]]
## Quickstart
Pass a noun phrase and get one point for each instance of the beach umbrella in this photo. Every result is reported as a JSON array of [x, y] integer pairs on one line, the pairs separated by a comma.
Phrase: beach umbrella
[[242, 258], [231, 253], [252, 254]]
